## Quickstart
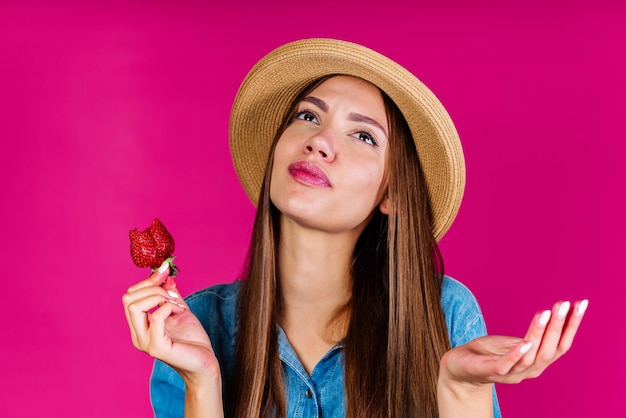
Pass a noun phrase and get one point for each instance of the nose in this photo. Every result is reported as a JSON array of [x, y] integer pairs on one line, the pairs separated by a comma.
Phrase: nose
[[321, 146]]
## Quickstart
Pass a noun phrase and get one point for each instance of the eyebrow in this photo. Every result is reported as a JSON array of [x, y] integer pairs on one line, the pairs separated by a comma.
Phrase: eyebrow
[[355, 117], [317, 102]]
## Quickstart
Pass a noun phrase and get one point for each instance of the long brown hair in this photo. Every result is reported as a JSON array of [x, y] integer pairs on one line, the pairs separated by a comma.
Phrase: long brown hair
[[397, 277]]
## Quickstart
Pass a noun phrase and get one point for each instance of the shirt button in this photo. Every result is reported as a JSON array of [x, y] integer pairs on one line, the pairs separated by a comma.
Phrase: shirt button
[[309, 394]]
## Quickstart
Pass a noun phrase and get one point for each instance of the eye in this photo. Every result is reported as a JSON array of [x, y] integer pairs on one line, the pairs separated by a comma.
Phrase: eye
[[366, 137], [306, 115]]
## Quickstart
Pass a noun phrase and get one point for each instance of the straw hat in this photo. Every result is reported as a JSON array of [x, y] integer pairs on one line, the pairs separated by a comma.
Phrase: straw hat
[[274, 82]]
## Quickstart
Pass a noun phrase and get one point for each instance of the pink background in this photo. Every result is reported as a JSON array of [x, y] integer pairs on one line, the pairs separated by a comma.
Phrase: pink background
[[116, 112]]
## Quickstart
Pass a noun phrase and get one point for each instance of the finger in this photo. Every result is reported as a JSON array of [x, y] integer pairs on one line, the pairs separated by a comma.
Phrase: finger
[[138, 318], [157, 278], [144, 292], [169, 283], [129, 299], [504, 365], [535, 333], [141, 293], [181, 306], [174, 295], [160, 342], [548, 349], [171, 288], [571, 327]]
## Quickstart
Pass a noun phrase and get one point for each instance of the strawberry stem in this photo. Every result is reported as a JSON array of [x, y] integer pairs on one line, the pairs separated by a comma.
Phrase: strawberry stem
[[173, 267]]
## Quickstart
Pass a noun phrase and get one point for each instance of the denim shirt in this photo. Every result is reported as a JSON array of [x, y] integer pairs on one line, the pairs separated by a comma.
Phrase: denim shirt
[[319, 394]]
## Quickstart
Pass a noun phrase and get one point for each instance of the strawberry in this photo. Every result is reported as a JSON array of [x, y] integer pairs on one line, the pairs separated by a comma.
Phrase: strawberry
[[151, 247]]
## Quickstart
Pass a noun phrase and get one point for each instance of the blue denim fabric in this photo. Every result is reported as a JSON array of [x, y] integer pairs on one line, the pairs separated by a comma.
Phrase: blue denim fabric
[[320, 394]]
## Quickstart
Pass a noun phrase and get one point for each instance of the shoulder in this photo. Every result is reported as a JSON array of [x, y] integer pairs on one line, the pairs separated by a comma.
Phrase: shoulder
[[462, 312], [220, 293], [215, 303], [455, 293]]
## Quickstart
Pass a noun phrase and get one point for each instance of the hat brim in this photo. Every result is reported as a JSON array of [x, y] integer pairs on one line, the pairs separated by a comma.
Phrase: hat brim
[[274, 82]]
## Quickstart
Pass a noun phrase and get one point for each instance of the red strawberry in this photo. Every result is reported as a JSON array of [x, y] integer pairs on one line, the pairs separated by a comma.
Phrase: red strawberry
[[151, 247]]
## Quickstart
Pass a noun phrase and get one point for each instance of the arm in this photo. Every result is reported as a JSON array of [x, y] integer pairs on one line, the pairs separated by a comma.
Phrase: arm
[[172, 397], [467, 370], [464, 399], [204, 399], [465, 323]]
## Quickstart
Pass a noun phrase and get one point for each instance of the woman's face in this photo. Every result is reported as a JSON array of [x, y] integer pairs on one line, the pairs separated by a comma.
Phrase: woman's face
[[329, 164]]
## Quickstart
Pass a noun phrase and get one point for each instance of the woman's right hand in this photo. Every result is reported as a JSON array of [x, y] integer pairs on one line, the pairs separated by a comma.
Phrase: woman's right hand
[[162, 325]]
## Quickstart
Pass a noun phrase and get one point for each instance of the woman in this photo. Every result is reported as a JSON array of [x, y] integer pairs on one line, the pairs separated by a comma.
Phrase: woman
[[343, 309]]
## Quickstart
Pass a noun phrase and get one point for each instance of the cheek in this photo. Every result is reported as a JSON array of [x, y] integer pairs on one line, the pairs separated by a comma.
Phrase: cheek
[[376, 174], [279, 165], [372, 181], [279, 155], [285, 147]]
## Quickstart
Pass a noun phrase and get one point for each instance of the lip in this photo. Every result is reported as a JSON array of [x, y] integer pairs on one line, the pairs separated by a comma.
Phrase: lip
[[308, 174]]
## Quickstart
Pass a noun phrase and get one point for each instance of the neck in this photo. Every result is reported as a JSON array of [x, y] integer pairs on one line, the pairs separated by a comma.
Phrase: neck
[[315, 278]]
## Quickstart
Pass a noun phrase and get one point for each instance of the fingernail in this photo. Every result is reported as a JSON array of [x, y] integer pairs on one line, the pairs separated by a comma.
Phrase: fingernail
[[163, 267], [544, 318], [524, 349], [582, 307], [173, 294], [563, 310], [177, 304]]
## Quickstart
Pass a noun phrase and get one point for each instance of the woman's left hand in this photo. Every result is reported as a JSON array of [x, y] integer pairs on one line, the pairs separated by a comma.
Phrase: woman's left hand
[[500, 359], [467, 371]]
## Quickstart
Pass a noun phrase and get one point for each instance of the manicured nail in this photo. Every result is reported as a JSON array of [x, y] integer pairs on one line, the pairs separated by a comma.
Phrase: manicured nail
[[164, 267], [173, 294], [563, 310], [544, 318], [582, 307], [524, 349], [177, 304]]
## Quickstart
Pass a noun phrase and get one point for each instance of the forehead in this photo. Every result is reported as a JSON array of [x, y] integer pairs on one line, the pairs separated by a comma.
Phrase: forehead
[[349, 84]]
